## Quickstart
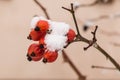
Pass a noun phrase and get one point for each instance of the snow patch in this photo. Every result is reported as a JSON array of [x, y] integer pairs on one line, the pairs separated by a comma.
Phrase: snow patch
[[55, 42], [59, 28]]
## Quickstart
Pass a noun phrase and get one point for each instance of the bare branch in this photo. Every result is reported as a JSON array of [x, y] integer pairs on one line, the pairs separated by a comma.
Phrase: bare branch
[[44, 10], [81, 38], [73, 14], [94, 39], [95, 3], [115, 44], [108, 33], [87, 5], [67, 59], [102, 67]]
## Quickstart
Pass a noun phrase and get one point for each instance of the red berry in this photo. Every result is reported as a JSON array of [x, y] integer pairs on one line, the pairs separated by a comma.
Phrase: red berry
[[42, 26], [35, 35], [71, 35], [50, 56], [35, 53]]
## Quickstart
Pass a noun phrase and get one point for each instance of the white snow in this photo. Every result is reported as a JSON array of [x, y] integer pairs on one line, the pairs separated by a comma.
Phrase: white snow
[[55, 42], [35, 20], [59, 28]]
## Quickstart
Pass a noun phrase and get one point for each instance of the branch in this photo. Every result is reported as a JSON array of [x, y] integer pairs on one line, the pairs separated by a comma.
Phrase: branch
[[81, 38], [86, 5], [43, 9], [93, 40], [73, 14], [115, 44], [102, 67], [106, 16], [94, 3], [67, 59], [107, 33], [105, 1]]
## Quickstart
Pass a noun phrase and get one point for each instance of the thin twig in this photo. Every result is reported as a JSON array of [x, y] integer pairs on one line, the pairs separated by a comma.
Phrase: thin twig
[[73, 14], [94, 3], [81, 38], [102, 67], [87, 5], [105, 1], [44, 10], [93, 40], [115, 44], [67, 59], [107, 33], [107, 16]]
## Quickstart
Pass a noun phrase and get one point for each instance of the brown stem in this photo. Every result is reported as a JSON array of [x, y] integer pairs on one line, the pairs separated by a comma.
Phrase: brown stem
[[44, 10], [67, 59], [100, 18], [75, 21], [93, 40], [94, 44], [95, 3], [87, 5], [102, 67], [107, 55], [115, 44], [115, 33]]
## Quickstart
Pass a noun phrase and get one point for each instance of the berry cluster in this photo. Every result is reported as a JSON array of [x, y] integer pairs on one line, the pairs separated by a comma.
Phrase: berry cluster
[[51, 36]]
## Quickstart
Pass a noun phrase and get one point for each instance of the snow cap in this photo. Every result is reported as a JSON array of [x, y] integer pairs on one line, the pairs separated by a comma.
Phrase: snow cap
[[59, 28], [35, 20], [55, 42]]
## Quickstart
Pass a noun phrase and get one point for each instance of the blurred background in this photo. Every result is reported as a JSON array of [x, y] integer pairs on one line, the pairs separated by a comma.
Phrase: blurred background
[[15, 18]]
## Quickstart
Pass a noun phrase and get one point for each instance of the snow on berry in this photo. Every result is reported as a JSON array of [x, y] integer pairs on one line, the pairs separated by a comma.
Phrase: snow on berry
[[55, 42], [59, 28], [42, 26], [35, 20]]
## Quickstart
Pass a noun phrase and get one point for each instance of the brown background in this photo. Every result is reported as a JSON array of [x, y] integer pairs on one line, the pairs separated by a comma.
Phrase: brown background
[[15, 17]]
